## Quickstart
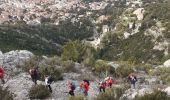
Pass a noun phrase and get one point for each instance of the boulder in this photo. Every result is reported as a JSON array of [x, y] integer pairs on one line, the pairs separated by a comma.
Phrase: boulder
[[167, 90], [167, 63], [139, 13], [113, 64], [11, 60], [19, 86]]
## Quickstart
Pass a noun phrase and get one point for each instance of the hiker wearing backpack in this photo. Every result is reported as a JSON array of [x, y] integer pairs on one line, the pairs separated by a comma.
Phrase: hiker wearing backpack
[[132, 79], [84, 86], [48, 81], [2, 75], [34, 75], [71, 87], [109, 81], [102, 86]]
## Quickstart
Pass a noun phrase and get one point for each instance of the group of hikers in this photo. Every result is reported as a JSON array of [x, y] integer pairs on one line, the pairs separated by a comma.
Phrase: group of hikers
[[34, 76], [83, 86]]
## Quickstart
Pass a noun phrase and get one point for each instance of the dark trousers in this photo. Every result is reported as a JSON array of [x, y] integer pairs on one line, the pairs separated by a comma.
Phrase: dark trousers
[[3, 81], [34, 79], [110, 85], [71, 92], [85, 93], [102, 89], [49, 87]]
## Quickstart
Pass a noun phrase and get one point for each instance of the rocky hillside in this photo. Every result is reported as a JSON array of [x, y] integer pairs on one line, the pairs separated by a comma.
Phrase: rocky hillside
[[43, 27], [86, 39], [19, 83]]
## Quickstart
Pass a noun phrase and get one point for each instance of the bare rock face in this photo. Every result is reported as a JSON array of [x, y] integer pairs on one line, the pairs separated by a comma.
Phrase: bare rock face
[[11, 60], [139, 13], [167, 63], [19, 86], [167, 90]]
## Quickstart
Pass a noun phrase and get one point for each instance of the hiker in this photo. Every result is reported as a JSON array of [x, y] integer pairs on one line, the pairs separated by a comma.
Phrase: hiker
[[2, 75], [132, 79], [71, 87], [84, 86], [109, 81], [102, 86], [34, 75], [48, 81]]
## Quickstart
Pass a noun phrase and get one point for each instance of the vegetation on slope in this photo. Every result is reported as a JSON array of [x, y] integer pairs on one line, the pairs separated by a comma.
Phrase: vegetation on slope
[[44, 38]]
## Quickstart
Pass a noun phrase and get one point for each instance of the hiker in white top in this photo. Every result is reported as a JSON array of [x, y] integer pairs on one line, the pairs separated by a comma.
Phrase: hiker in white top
[[48, 82]]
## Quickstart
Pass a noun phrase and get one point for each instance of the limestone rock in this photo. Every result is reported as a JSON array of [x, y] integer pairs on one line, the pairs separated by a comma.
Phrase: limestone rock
[[167, 63]]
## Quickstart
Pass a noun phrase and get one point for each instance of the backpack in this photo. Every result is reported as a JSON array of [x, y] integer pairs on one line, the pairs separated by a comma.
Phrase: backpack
[[73, 86], [87, 81], [50, 80]]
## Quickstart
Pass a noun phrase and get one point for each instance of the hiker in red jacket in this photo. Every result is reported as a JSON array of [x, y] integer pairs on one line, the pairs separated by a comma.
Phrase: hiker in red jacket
[[109, 81], [84, 86], [2, 75], [102, 86]]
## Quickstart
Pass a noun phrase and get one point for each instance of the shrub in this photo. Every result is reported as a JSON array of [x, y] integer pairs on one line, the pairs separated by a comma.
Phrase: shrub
[[77, 51], [68, 66], [123, 70], [39, 92], [100, 66], [72, 51], [163, 74], [156, 95], [76, 98], [50, 70], [146, 68], [33, 62], [111, 94], [5, 94]]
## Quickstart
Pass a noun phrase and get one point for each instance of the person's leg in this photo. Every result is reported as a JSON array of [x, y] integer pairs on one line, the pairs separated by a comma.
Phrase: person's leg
[[50, 88], [71, 92], [3, 81], [35, 80], [85, 93], [110, 85], [103, 89], [100, 89], [134, 86]]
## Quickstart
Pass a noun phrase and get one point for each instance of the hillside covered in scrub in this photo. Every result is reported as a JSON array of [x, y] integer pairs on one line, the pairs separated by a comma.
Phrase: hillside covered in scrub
[[74, 40]]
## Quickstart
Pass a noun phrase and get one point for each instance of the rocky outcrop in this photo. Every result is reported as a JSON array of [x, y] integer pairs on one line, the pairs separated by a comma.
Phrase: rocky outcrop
[[11, 61], [139, 13], [20, 86], [167, 63]]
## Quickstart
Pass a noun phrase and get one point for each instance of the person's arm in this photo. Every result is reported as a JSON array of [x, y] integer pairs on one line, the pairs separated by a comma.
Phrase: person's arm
[[46, 81]]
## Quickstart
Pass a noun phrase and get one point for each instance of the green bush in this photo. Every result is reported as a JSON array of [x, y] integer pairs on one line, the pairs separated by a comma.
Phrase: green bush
[[78, 51], [111, 94], [162, 73], [124, 69], [76, 98], [5, 94], [39, 92], [156, 95], [101, 66], [68, 66], [50, 70], [144, 67], [32, 63]]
